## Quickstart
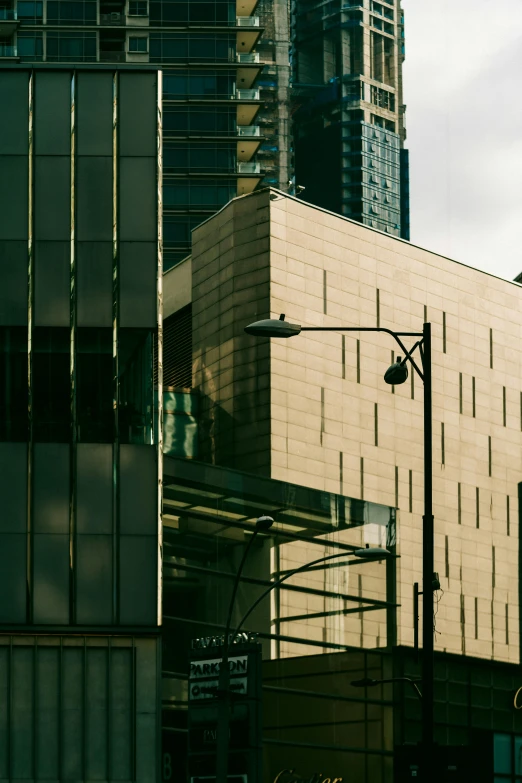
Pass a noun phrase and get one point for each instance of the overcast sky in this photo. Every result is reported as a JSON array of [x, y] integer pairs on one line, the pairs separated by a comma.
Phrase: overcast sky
[[463, 91]]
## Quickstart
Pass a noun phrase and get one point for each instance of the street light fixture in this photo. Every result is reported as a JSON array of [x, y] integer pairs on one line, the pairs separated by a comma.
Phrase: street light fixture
[[368, 682], [396, 374], [263, 524]]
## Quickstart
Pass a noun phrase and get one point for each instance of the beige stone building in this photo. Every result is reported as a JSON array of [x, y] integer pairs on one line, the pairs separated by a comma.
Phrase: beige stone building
[[314, 410]]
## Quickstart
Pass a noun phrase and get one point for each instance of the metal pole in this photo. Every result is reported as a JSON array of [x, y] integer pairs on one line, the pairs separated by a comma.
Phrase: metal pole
[[223, 722], [427, 572]]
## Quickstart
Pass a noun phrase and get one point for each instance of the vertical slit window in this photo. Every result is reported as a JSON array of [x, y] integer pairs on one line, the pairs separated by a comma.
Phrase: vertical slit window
[[444, 332], [341, 471], [51, 385], [504, 406], [476, 618], [477, 507], [136, 398], [490, 456], [508, 517], [412, 376], [376, 423], [378, 307], [442, 444], [446, 555], [473, 397], [396, 486], [507, 622], [322, 414], [460, 392], [392, 362], [362, 478], [459, 504], [425, 314], [410, 489], [13, 384], [94, 385], [359, 361], [343, 355], [493, 567], [491, 349], [324, 292]]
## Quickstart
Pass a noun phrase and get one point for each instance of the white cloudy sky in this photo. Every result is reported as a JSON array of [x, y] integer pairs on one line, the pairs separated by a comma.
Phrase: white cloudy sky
[[463, 90]]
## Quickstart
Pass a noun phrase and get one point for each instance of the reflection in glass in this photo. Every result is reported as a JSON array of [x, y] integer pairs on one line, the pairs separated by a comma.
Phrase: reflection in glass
[[136, 398], [51, 385], [94, 395], [502, 753], [13, 383]]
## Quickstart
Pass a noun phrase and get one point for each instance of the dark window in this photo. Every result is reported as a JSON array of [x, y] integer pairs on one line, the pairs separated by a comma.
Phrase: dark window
[[136, 399], [30, 46], [138, 8], [177, 229], [186, 84], [210, 193], [13, 383], [51, 385], [94, 389], [198, 13], [199, 48], [30, 11], [138, 44], [200, 157], [199, 120], [67, 48], [66, 12]]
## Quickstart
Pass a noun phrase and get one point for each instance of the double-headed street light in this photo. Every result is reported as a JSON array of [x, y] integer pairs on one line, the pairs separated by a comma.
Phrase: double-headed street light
[[263, 524], [395, 375]]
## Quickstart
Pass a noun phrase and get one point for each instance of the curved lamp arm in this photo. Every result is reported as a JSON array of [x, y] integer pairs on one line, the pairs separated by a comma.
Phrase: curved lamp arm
[[284, 578]]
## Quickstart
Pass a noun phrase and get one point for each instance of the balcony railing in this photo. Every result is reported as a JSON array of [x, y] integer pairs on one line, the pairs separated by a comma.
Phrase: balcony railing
[[249, 168], [247, 21], [248, 130], [7, 51], [252, 57], [8, 15], [246, 95]]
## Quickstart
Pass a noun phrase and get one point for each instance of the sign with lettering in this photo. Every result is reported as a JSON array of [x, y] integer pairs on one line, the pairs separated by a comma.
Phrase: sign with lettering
[[209, 642], [210, 668], [292, 776]]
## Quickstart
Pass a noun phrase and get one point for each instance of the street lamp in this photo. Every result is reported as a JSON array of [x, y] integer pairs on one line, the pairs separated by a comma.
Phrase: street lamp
[[395, 375], [263, 524], [368, 682], [368, 553]]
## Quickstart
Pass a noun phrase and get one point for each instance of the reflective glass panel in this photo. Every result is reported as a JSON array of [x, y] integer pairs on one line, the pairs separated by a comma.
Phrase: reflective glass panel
[[13, 383]]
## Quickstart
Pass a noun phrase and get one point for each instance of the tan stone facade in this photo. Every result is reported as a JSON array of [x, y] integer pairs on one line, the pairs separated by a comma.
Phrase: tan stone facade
[[315, 411]]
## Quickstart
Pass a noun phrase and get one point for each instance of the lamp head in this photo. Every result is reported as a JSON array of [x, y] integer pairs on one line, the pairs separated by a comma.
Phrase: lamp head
[[272, 327], [372, 552], [264, 523], [397, 373]]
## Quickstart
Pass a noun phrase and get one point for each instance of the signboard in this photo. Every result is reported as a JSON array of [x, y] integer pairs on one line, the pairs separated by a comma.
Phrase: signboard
[[245, 757]]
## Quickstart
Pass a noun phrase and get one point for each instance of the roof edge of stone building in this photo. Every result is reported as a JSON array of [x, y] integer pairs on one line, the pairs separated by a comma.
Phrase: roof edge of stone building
[[516, 282]]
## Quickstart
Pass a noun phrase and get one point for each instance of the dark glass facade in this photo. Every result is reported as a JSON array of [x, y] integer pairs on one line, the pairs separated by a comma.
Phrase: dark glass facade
[[207, 53], [349, 112], [80, 264]]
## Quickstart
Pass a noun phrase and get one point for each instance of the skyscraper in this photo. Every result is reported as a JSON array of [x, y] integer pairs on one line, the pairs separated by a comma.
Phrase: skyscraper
[[349, 112], [211, 102]]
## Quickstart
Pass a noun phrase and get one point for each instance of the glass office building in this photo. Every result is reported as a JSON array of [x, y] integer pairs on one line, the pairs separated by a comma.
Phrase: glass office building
[[211, 99], [349, 110], [80, 277]]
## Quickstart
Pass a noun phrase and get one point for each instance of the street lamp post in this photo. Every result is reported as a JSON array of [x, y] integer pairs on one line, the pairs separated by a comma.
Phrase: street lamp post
[[263, 524], [395, 375]]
